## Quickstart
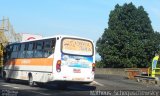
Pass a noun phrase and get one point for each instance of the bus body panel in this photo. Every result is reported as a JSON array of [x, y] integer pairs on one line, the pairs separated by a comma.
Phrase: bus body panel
[[77, 68], [20, 68]]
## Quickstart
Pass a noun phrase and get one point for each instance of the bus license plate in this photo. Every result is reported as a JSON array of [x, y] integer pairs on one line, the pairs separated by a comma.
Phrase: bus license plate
[[78, 79], [77, 70]]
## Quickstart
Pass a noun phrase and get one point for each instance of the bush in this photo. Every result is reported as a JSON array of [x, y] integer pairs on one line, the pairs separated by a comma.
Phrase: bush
[[100, 64]]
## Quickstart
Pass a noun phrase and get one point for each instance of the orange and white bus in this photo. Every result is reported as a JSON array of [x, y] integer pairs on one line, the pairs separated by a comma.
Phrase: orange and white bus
[[57, 58]]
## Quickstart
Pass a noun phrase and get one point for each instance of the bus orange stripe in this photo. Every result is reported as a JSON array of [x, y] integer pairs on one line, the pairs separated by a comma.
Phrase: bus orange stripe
[[32, 62]]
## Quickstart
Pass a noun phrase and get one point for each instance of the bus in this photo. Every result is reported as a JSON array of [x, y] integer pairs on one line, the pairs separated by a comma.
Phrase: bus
[[58, 58]]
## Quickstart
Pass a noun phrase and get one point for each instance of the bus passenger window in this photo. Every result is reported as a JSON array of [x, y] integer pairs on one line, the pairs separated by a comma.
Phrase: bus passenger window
[[53, 43], [29, 52], [14, 53], [38, 50], [47, 44], [49, 47], [48, 52], [39, 45], [21, 53], [8, 51], [38, 53], [22, 48]]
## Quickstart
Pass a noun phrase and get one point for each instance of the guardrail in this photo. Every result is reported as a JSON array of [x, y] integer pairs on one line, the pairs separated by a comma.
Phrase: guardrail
[[154, 72]]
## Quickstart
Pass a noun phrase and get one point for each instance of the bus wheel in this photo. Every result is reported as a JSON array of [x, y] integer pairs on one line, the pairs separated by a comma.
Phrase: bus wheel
[[5, 78], [30, 81]]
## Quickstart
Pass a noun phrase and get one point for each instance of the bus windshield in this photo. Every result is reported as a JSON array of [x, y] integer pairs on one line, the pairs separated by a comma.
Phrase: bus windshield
[[77, 46]]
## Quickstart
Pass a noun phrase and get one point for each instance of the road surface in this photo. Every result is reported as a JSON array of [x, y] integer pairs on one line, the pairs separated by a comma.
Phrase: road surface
[[102, 82]]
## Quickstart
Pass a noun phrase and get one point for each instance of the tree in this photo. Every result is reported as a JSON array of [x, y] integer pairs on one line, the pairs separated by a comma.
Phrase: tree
[[129, 40]]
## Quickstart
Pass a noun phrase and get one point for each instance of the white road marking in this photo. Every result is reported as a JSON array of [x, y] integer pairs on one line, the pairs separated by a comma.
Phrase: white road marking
[[7, 85], [40, 93], [97, 83], [16, 87], [10, 86]]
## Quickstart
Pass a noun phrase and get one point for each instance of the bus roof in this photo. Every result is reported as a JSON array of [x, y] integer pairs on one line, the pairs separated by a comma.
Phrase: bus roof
[[55, 36]]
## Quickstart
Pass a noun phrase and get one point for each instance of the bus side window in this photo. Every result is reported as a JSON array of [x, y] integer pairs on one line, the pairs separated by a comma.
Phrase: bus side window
[[21, 53], [53, 44], [7, 53], [47, 48], [38, 49], [14, 53], [29, 50]]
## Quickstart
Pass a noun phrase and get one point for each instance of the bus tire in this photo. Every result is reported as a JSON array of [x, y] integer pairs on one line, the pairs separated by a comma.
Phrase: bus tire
[[30, 80], [5, 77]]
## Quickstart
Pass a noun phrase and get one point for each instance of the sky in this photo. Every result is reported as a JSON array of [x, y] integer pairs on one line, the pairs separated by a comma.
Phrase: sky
[[84, 18]]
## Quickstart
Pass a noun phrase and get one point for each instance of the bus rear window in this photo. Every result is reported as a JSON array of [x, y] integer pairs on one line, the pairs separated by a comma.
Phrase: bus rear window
[[77, 46]]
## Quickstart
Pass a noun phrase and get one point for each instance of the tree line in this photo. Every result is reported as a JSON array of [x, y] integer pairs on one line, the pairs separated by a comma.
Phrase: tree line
[[129, 41]]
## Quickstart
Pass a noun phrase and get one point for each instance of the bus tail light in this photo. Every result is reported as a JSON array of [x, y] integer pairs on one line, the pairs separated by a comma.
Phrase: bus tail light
[[93, 67], [58, 66]]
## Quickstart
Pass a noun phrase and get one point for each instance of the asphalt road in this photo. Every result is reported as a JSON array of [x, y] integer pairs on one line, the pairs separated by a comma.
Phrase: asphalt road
[[102, 82], [114, 82]]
